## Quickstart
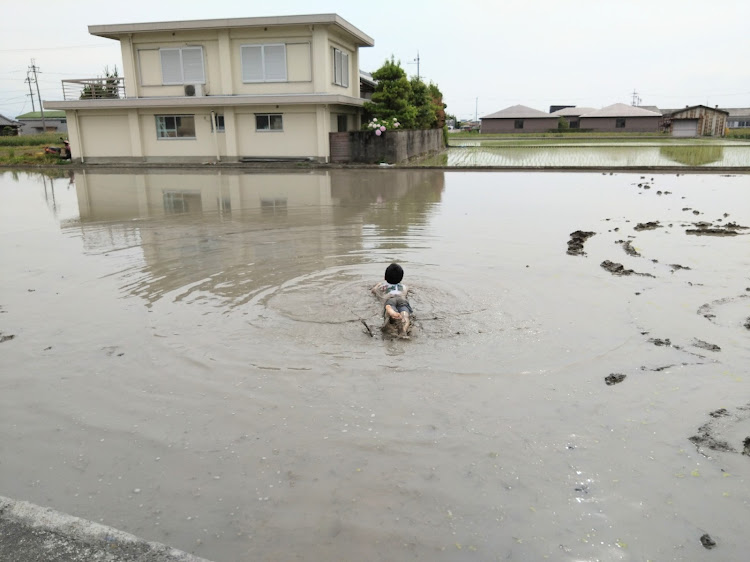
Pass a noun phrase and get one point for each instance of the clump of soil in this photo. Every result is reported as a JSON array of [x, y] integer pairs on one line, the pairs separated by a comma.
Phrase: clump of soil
[[707, 541], [747, 323], [619, 269], [6, 337], [705, 345], [576, 242], [614, 378], [707, 229], [720, 413], [647, 225], [677, 266], [746, 445], [660, 342], [706, 438], [711, 232], [628, 247]]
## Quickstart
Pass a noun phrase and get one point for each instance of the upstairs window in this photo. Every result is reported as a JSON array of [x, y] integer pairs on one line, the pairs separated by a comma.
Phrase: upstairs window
[[620, 123], [340, 68], [182, 66], [263, 63]]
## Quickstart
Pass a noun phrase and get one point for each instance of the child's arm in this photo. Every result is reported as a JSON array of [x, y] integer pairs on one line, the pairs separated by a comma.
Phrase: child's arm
[[374, 290]]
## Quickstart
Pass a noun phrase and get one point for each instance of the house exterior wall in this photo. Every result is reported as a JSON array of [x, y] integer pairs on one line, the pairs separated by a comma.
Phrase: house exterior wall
[[632, 124], [308, 99], [710, 122], [533, 125], [306, 51], [136, 136], [34, 126]]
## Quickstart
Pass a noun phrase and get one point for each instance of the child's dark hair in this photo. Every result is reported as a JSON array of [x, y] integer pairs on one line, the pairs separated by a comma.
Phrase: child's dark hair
[[394, 273]]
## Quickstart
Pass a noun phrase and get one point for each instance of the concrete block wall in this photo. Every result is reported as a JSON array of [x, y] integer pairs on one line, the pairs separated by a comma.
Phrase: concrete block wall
[[391, 147]]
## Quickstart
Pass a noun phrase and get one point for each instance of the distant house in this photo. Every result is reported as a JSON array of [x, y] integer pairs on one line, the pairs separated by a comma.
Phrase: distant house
[[572, 115], [518, 119], [367, 85], [231, 90], [8, 127], [739, 117], [696, 120], [621, 118], [33, 124]]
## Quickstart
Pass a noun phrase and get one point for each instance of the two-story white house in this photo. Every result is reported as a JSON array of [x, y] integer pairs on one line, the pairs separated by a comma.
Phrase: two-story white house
[[219, 90]]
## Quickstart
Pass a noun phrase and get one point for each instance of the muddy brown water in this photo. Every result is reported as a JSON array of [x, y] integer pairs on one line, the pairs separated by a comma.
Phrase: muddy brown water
[[189, 364]]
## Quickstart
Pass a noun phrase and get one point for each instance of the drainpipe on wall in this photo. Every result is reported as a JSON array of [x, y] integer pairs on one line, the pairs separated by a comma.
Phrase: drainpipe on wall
[[216, 137], [78, 136]]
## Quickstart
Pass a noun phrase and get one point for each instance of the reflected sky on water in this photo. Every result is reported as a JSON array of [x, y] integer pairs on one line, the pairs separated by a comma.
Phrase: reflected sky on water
[[474, 153]]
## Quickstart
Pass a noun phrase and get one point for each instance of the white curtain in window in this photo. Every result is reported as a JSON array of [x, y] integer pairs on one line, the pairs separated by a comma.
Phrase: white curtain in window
[[192, 65], [344, 69], [252, 63], [275, 62], [171, 66]]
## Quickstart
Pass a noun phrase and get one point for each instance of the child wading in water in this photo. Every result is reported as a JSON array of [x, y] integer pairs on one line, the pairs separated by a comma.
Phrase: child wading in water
[[397, 309]]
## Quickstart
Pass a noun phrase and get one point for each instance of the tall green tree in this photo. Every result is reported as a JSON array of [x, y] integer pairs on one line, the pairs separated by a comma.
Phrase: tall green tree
[[392, 95], [422, 100]]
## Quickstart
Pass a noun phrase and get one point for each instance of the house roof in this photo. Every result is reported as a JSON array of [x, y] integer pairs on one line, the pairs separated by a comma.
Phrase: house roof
[[738, 111], [517, 112], [367, 78], [651, 108], [622, 110], [572, 111], [115, 31], [5, 122], [38, 115], [677, 111]]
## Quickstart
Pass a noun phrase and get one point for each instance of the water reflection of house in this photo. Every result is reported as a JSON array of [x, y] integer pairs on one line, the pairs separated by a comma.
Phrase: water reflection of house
[[231, 233], [222, 89]]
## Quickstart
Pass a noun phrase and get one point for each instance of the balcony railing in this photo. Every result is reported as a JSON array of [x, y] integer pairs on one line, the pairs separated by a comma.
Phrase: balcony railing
[[94, 88]]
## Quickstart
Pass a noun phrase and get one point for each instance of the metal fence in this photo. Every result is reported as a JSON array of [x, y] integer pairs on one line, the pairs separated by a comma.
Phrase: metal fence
[[94, 88]]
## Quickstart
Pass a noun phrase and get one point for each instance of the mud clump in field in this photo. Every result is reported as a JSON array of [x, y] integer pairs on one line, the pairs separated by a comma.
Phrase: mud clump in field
[[706, 438], [705, 345], [628, 247], [614, 378], [708, 229], [619, 269], [747, 323], [652, 225], [707, 541], [576, 242]]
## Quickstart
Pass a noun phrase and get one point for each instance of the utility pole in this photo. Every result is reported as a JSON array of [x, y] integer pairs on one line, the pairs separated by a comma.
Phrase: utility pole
[[636, 99], [31, 92], [38, 95], [416, 60], [476, 110]]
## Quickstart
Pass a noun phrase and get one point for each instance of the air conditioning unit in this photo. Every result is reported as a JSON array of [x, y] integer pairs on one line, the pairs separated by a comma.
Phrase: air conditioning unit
[[194, 90]]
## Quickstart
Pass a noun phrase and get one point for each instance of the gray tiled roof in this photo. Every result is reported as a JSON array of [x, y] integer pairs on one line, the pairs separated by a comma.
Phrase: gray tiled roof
[[622, 110], [738, 111], [517, 112], [572, 111], [4, 122]]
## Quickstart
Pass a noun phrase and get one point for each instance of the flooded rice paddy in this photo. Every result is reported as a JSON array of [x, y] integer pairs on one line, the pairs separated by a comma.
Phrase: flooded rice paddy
[[468, 153], [184, 357]]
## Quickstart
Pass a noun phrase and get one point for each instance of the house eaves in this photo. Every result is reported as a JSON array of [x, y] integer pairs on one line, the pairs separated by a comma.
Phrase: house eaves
[[207, 101], [115, 31]]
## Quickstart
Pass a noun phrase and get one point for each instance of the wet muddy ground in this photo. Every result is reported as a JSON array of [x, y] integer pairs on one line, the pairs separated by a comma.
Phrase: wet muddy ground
[[185, 357]]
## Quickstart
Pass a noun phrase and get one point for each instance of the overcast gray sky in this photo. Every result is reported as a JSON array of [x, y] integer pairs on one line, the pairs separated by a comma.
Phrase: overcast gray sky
[[483, 55]]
